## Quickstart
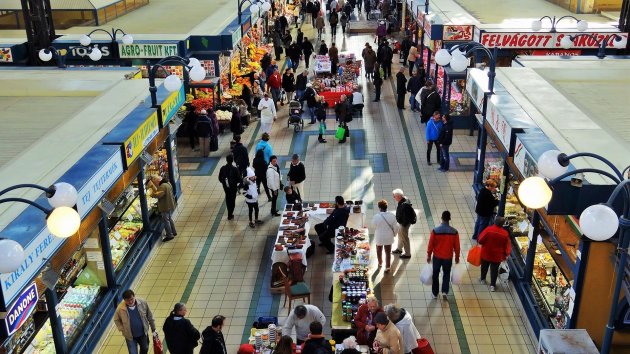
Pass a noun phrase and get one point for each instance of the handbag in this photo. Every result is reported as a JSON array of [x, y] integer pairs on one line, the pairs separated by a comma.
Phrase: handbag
[[424, 347], [158, 348], [214, 143], [426, 276], [340, 133], [474, 256]]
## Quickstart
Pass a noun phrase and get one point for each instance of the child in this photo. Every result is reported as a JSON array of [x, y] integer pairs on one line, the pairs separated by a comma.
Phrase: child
[[291, 196]]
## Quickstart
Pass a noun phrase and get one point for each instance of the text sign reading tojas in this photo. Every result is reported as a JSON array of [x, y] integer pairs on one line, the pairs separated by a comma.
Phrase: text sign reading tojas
[[95, 188], [141, 138], [147, 50], [509, 40], [17, 314]]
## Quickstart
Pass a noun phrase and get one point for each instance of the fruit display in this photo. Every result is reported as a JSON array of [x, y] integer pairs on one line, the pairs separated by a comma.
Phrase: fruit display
[[43, 342], [224, 115], [125, 232]]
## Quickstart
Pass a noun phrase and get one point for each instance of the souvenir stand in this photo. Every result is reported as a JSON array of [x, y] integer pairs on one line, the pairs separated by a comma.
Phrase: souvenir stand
[[343, 82]]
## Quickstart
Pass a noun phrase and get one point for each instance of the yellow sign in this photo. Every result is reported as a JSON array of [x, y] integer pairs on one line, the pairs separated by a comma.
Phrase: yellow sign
[[141, 138], [171, 104]]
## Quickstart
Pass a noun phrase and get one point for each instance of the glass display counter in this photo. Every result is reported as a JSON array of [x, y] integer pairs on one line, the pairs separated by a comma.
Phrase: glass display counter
[[125, 225]]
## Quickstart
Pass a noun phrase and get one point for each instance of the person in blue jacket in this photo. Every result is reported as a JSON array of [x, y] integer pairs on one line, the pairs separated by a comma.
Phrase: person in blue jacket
[[265, 146], [432, 133]]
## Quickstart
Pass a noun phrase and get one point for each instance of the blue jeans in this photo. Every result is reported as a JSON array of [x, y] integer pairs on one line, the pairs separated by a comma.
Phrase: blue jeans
[[412, 101], [445, 265], [298, 94], [275, 95], [312, 112], [445, 161], [143, 342], [481, 223]]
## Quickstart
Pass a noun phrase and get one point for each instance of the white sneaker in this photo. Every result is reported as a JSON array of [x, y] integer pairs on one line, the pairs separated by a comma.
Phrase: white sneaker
[[433, 296], [482, 281], [492, 289], [444, 296]]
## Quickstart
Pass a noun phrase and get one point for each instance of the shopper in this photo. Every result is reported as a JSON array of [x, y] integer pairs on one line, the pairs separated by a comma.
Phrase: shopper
[[338, 217], [350, 346], [213, 340], [421, 97], [369, 59], [274, 83], [323, 48], [445, 140], [274, 182], [292, 196], [277, 45], [230, 178], [307, 50], [432, 134], [431, 103], [316, 342], [357, 101], [413, 87], [191, 126], [260, 169], [443, 244], [257, 95], [179, 333], [163, 191], [385, 230], [405, 48], [236, 125], [296, 52], [297, 174], [301, 318], [267, 109], [364, 320], [310, 96], [411, 58], [241, 157], [204, 131], [486, 202], [265, 146], [343, 20], [404, 322], [405, 216], [401, 88], [320, 113], [388, 339], [343, 113], [319, 25], [495, 248], [300, 85], [288, 83], [251, 197], [378, 82], [333, 54], [388, 56], [333, 20], [315, 13], [133, 318], [284, 346], [299, 39]]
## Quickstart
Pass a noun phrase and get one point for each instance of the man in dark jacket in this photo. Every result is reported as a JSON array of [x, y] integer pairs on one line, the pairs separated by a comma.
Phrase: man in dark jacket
[[179, 333], [307, 49], [413, 86], [297, 174], [388, 56], [240, 155], [401, 88], [343, 111], [326, 230], [230, 178], [316, 342], [486, 202], [311, 101], [431, 103], [405, 46], [378, 82], [445, 139], [405, 216], [300, 84], [296, 51], [213, 341], [443, 245]]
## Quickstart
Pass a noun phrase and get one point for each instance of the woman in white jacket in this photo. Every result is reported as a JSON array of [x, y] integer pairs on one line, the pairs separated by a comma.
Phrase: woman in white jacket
[[273, 183], [404, 322], [251, 197], [267, 110], [385, 230]]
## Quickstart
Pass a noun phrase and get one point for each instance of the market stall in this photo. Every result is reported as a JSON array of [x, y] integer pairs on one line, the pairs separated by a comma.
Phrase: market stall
[[332, 86]]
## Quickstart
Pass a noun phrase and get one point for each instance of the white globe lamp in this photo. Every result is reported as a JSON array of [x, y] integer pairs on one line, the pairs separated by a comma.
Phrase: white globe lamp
[[442, 57], [254, 8], [582, 25], [95, 54], [45, 55], [266, 6], [599, 222], [548, 164], [536, 25], [621, 43], [459, 62], [85, 40], [65, 195], [11, 256], [172, 83], [63, 222], [197, 73], [194, 62], [127, 39], [566, 42], [534, 192]]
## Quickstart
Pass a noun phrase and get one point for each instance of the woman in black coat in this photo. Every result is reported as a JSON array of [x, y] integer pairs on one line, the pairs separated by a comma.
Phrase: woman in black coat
[[246, 95], [307, 49], [260, 170], [180, 335], [236, 125], [288, 83]]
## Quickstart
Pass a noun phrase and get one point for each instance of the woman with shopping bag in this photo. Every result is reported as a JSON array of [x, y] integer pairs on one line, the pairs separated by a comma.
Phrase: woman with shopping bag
[[496, 248]]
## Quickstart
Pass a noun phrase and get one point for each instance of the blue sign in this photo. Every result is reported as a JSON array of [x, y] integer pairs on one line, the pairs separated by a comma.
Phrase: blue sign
[[22, 308]]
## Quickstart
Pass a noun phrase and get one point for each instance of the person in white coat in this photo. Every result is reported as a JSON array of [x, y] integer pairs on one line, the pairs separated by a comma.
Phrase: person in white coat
[[274, 183], [404, 322], [267, 110], [251, 196], [385, 230]]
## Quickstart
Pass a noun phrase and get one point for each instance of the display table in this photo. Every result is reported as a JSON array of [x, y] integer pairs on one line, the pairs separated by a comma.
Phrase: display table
[[332, 97], [331, 86], [290, 221], [318, 212]]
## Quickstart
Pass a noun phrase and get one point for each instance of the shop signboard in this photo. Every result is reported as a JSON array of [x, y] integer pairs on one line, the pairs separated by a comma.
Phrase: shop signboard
[[75, 51], [141, 138], [246, 26], [6, 56], [236, 36], [535, 40], [147, 50], [457, 33], [322, 63], [19, 312], [96, 187], [557, 52], [171, 105], [524, 161], [497, 121], [476, 86]]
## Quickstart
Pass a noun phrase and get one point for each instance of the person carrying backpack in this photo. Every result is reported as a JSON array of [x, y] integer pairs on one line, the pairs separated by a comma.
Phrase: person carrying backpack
[[405, 216]]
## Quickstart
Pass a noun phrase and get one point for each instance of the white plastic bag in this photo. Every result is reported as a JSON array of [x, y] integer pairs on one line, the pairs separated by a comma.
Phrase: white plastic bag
[[504, 271], [426, 276], [457, 274]]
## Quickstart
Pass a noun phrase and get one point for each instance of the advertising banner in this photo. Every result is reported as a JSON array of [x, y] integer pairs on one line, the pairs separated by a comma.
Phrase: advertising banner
[[535, 40]]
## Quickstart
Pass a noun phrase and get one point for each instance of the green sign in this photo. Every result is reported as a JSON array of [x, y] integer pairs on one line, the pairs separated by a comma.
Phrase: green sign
[[147, 50], [236, 36]]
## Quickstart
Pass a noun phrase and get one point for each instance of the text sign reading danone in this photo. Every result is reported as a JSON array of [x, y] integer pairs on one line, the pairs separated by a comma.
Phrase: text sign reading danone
[[147, 50], [17, 314], [141, 138], [509, 40]]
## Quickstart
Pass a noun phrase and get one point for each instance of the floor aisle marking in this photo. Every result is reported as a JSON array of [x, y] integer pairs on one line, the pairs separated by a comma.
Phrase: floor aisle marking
[[457, 320]]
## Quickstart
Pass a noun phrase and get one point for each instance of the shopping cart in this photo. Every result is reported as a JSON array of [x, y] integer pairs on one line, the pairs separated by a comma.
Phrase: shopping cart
[[295, 116]]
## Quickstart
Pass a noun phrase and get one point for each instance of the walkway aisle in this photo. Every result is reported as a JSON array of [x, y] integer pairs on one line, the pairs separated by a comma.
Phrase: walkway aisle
[[220, 267]]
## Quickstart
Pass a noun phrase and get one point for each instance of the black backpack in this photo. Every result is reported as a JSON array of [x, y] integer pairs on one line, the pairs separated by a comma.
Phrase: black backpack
[[411, 214]]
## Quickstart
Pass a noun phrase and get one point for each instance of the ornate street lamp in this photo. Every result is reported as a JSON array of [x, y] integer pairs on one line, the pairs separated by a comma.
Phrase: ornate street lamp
[[86, 39], [581, 25], [263, 6], [62, 220], [47, 54], [599, 222], [192, 68], [619, 42]]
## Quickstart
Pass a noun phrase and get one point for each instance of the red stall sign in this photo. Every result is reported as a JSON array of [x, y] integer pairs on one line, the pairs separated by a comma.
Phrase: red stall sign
[[532, 40]]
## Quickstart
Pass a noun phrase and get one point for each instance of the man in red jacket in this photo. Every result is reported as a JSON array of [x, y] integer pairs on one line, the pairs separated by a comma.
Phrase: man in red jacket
[[496, 248], [274, 82], [443, 243]]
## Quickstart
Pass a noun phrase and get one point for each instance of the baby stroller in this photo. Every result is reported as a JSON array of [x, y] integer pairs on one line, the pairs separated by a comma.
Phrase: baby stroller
[[295, 116]]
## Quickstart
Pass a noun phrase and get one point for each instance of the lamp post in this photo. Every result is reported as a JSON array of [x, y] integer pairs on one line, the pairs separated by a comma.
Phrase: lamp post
[[192, 68], [47, 54], [62, 220], [619, 42], [599, 222], [458, 61], [537, 24], [255, 7], [86, 39]]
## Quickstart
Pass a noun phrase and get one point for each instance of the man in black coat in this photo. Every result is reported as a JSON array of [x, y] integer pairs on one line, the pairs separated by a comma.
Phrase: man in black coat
[[401, 88], [445, 139], [230, 178], [387, 56], [179, 333], [213, 340], [326, 230], [413, 86], [240, 156], [297, 174], [405, 46], [307, 49], [378, 82], [486, 202], [430, 104], [310, 96]]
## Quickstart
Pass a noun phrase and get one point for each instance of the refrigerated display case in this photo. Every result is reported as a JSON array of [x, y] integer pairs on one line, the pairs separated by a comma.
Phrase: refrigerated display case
[[125, 225]]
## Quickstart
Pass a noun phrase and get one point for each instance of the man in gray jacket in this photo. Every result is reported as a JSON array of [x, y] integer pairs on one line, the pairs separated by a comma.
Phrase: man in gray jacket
[[133, 318], [301, 319]]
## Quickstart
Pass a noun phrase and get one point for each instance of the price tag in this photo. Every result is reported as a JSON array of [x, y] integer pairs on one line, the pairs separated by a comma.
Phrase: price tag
[[523, 226], [570, 310], [94, 256], [578, 254], [100, 265], [117, 235], [91, 243], [530, 233], [129, 217], [572, 294]]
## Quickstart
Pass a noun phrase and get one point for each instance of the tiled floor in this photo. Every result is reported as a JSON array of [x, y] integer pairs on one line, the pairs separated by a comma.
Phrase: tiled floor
[[222, 267]]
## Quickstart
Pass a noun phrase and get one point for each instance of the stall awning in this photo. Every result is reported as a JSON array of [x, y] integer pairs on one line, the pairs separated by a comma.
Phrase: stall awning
[[62, 4]]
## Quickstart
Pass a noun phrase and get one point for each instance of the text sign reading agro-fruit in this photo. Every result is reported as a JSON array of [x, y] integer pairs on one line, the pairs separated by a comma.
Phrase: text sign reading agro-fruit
[[147, 50]]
